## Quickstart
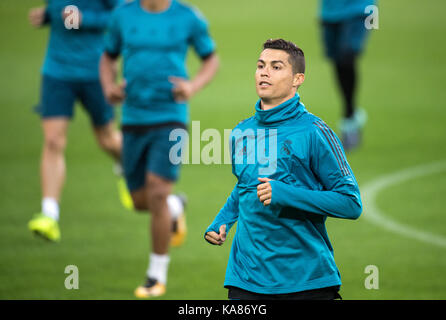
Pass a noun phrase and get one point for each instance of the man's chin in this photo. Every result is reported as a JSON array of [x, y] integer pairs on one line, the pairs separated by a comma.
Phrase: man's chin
[[263, 95]]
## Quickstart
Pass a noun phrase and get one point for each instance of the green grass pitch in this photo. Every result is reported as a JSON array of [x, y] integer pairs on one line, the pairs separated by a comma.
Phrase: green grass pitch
[[401, 87]]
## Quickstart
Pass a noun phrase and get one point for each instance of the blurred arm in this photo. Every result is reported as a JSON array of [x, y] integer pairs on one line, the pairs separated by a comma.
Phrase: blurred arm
[[113, 92], [39, 17], [184, 89], [209, 68]]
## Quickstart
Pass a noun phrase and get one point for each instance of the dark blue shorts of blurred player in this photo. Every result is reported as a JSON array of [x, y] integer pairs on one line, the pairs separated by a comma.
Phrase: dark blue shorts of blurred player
[[345, 39], [146, 149], [57, 99]]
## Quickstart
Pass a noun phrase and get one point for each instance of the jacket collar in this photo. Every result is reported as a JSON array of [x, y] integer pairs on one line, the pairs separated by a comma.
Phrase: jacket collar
[[284, 111]]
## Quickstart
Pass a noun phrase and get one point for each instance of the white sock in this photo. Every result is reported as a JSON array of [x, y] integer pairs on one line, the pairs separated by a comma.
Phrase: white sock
[[50, 208], [175, 205], [117, 169], [158, 265]]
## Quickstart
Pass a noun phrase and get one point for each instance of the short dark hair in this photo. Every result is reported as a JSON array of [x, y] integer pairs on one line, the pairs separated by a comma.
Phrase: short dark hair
[[296, 59]]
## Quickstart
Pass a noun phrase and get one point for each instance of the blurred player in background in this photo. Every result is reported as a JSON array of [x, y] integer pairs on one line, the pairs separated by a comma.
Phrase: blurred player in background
[[153, 37], [281, 249], [70, 73], [344, 34]]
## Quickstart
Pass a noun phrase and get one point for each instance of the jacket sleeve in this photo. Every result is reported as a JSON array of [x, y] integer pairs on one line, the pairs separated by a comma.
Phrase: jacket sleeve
[[339, 196], [47, 16], [200, 38], [228, 214], [113, 38]]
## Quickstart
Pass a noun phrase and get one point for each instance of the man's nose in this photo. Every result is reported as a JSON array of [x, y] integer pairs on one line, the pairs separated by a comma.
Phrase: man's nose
[[265, 72]]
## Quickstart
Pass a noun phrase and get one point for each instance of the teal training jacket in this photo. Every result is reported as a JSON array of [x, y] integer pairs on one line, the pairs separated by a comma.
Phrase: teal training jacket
[[284, 247]]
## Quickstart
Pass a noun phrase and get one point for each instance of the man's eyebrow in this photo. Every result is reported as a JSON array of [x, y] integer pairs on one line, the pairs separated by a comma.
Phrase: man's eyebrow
[[272, 62]]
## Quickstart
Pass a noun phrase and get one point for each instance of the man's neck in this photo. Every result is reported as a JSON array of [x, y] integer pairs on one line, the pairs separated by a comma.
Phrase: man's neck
[[267, 104], [155, 5]]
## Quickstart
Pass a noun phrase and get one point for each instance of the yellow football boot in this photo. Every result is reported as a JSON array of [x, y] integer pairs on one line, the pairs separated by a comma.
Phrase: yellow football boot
[[179, 231], [45, 227], [152, 288], [124, 194]]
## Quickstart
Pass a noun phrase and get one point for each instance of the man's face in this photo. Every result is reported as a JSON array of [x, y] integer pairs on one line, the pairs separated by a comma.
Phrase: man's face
[[275, 81]]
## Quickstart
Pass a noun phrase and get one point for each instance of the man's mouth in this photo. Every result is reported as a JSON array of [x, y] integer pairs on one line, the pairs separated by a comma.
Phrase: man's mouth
[[264, 84]]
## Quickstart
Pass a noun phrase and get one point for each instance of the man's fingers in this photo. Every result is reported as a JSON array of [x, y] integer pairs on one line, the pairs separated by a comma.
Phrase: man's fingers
[[36, 16], [263, 186], [217, 238], [121, 94], [179, 98], [262, 192], [264, 179], [212, 240], [223, 232], [119, 91], [116, 96], [213, 237], [175, 80], [178, 92]]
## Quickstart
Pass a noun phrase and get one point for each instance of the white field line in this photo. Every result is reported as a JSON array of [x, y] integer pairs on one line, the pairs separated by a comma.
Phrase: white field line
[[373, 214]]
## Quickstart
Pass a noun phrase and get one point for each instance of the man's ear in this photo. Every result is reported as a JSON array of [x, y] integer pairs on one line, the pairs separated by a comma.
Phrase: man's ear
[[298, 79]]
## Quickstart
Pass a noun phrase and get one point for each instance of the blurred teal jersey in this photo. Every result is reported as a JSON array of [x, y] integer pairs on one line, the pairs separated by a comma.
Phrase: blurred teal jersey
[[284, 247], [338, 10], [73, 54], [154, 47]]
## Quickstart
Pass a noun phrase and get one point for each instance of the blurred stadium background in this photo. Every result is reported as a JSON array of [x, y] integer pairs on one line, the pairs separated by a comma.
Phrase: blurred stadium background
[[402, 89]]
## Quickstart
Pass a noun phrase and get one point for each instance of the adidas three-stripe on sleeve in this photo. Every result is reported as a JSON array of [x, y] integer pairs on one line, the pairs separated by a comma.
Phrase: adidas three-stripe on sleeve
[[340, 195]]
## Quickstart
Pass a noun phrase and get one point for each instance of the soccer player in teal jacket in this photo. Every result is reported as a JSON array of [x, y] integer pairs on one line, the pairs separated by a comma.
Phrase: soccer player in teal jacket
[[292, 174], [70, 73], [344, 36], [153, 38]]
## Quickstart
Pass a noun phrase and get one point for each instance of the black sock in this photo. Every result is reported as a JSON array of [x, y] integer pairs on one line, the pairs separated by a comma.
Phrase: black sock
[[346, 75]]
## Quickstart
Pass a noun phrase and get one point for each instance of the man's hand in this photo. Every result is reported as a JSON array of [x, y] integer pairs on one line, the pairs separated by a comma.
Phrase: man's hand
[[115, 93], [264, 191], [36, 16], [217, 238], [182, 89]]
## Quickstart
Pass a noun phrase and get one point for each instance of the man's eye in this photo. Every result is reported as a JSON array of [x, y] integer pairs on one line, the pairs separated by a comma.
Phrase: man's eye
[[276, 68], [259, 66]]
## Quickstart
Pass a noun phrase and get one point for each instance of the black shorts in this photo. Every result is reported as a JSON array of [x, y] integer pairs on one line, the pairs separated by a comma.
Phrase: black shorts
[[328, 293]]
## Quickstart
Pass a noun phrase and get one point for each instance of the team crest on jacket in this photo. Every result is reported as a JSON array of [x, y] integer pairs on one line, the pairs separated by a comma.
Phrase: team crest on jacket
[[286, 146]]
